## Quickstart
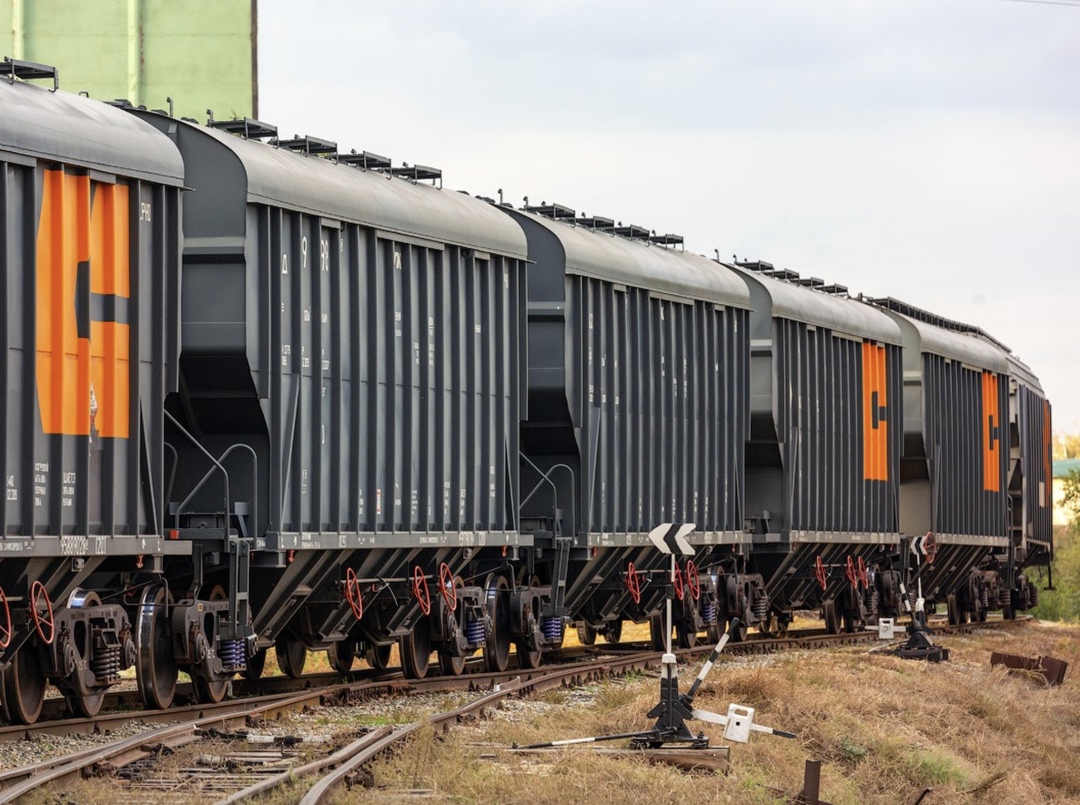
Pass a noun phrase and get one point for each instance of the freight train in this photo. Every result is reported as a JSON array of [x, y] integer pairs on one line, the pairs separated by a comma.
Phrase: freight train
[[262, 392]]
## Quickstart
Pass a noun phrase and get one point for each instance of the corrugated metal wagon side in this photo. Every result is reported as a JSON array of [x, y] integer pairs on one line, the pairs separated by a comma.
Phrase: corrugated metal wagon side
[[90, 258], [638, 392], [351, 359], [1031, 531], [956, 454], [823, 458]]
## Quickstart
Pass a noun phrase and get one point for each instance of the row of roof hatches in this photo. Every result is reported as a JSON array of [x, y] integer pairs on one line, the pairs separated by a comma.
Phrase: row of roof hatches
[[313, 146], [250, 129], [559, 212]]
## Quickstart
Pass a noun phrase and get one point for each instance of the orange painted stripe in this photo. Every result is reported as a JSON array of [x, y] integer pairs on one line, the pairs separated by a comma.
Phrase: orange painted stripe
[[992, 433], [82, 223], [110, 275], [875, 404]]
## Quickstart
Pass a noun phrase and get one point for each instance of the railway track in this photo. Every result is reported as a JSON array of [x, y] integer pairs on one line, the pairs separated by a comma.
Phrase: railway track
[[133, 756], [124, 706]]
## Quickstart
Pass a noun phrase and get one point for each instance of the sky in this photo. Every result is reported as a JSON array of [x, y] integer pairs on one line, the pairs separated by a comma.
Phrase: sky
[[927, 150]]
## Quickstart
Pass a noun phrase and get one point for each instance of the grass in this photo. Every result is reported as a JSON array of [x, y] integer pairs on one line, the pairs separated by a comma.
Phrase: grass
[[885, 728]]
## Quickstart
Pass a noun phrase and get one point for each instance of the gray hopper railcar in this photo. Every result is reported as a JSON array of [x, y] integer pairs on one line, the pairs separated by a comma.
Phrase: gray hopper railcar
[[637, 415], [89, 256], [346, 433], [956, 454], [823, 456]]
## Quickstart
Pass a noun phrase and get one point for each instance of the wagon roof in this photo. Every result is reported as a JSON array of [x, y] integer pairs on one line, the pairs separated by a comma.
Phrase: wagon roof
[[640, 264], [953, 340], [819, 309], [74, 130], [319, 186]]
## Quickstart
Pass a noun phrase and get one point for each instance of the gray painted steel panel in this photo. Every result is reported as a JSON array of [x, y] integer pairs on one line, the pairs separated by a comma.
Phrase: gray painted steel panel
[[1032, 506], [90, 333], [315, 186], [85, 133], [634, 263], [642, 397], [784, 300], [834, 481], [966, 457], [377, 376]]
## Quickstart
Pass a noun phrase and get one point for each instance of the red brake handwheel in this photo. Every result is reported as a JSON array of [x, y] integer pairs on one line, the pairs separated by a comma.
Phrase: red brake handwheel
[[353, 593], [37, 592], [633, 584], [5, 627], [692, 580], [446, 586], [421, 591]]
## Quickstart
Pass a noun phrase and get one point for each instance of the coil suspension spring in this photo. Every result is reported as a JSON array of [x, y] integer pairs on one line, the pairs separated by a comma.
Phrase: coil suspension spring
[[106, 664], [761, 606], [232, 653], [474, 632], [708, 612], [552, 628], [984, 597]]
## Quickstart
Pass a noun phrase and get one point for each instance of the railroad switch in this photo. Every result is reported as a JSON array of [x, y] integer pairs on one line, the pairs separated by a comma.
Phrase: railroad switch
[[674, 709], [920, 646]]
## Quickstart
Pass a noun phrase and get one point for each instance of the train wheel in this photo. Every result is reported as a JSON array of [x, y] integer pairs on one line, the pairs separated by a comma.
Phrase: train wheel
[[340, 655], [528, 657], [831, 616], [211, 691], [613, 632], [88, 705], [497, 647], [451, 664], [24, 686], [716, 630], [291, 657], [851, 623], [953, 612], [85, 706], [378, 657], [155, 663], [767, 627], [685, 635], [255, 665], [657, 638], [416, 650], [586, 634]]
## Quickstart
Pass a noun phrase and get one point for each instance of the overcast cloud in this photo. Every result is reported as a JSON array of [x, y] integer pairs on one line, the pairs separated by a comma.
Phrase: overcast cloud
[[923, 149]]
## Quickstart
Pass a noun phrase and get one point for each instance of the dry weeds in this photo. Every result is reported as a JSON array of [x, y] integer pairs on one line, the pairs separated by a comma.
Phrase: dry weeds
[[885, 728]]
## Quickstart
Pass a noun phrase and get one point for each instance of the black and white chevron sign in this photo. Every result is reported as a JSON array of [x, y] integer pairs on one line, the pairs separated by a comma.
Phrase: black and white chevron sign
[[671, 538]]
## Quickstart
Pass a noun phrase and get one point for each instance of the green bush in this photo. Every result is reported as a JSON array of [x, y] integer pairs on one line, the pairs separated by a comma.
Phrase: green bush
[[1063, 602]]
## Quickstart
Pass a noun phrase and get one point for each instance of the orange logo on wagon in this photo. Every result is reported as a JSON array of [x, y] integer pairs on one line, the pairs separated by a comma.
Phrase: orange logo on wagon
[[875, 413], [83, 314]]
